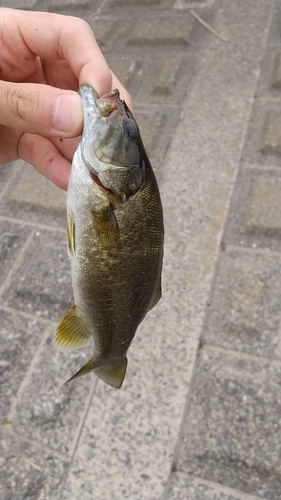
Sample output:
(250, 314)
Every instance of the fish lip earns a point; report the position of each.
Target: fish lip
(109, 103)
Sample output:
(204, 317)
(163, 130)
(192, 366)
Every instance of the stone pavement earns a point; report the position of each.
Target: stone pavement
(199, 414)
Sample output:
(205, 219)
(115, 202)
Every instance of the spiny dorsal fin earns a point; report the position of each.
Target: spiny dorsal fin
(111, 376)
(71, 332)
(70, 236)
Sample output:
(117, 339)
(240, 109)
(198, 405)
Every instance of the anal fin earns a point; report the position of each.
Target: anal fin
(71, 332)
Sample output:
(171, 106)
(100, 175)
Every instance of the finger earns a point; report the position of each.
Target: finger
(54, 36)
(40, 109)
(44, 156)
(66, 146)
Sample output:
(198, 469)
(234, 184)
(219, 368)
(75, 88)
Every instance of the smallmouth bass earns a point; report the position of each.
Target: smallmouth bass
(114, 237)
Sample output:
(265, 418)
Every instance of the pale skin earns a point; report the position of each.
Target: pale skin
(44, 58)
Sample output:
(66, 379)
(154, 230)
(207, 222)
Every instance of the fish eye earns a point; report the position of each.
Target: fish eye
(131, 129)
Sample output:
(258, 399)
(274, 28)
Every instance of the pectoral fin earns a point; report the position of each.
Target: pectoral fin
(107, 226)
(71, 332)
(70, 236)
(111, 376)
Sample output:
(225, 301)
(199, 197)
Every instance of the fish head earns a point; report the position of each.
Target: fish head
(111, 145)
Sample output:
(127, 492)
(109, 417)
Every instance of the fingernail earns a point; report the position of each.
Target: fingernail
(68, 113)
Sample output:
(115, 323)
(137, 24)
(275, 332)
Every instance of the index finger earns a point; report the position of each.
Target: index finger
(54, 36)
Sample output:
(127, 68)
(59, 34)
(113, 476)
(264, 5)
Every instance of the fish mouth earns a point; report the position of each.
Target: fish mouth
(108, 105)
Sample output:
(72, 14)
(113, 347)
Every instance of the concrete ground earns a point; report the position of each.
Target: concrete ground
(199, 414)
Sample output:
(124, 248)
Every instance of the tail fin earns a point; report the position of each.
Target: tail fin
(113, 376)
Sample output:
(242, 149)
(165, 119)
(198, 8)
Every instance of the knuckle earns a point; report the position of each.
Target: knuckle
(23, 104)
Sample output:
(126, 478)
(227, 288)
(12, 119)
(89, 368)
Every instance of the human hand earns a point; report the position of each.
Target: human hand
(44, 59)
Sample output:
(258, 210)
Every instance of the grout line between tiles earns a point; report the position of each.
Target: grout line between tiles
(16, 263)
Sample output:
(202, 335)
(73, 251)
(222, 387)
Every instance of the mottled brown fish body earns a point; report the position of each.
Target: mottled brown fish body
(115, 240)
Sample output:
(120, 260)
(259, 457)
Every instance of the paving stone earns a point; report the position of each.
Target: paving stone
(15, 4)
(255, 213)
(106, 31)
(127, 440)
(41, 282)
(174, 29)
(263, 207)
(20, 338)
(49, 412)
(69, 5)
(184, 487)
(244, 312)
(134, 5)
(168, 80)
(269, 86)
(27, 472)
(155, 125)
(276, 73)
(32, 197)
(274, 37)
(12, 238)
(137, 2)
(130, 70)
(271, 133)
(6, 174)
(263, 141)
(232, 434)
(187, 4)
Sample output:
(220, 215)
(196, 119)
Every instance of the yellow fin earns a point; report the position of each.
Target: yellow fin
(156, 297)
(70, 236)
(71, 332)
(111, 376)
(107, 226)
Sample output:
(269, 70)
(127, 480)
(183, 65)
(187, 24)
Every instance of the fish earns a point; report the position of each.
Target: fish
(115, 236)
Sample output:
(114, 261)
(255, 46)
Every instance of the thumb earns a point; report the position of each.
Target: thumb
(40, 109)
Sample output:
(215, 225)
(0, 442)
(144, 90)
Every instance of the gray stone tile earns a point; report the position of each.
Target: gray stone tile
(232, 434)
(6, 174)
(130, 70)
(124, 6)
(155, 127)
(270, 79)
(68, 5)
(192, 4)
(12, 238)
(32, 197)
(185, 487)
(20, 338)
(27, 472)
(174, 29)
(19, 4)
(107, 30)
(41, 282)
(47, 411)
(263, 141)
(274, 38)
(244, 313)
(128, 437)
(254, 218)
